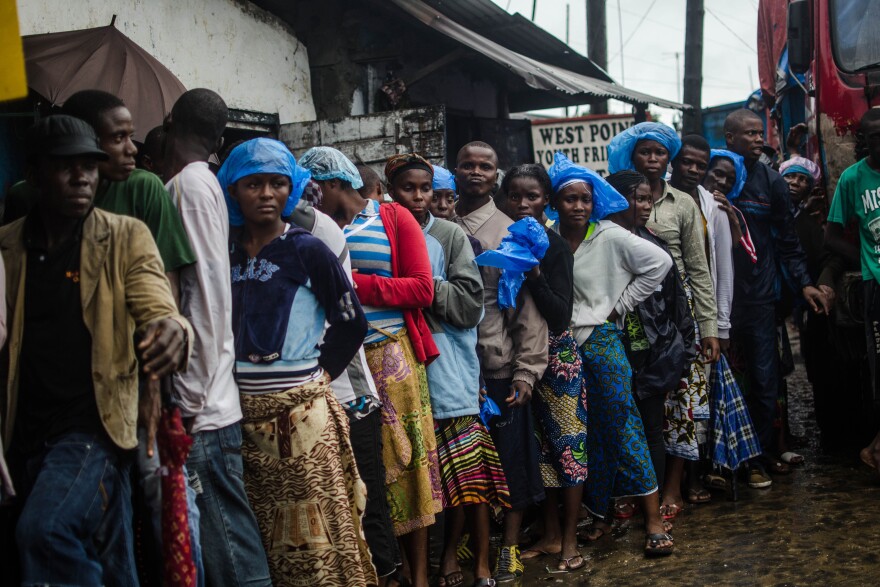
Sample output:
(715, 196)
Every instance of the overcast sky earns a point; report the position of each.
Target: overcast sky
(653, 31)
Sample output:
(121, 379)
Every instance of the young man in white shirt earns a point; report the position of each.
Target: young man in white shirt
(207, 393)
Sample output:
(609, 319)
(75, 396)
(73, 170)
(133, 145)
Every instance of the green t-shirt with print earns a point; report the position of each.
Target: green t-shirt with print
(858, 195)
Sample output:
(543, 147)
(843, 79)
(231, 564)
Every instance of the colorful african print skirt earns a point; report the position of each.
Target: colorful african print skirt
(617, 452)
(560, 409)
(409, 447)
(304, 487)
(687, 407)
(470, 467)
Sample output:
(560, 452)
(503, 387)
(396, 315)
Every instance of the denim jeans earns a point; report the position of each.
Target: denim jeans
(75, 527)
(151, 485)
(754, 333)
(232, 551)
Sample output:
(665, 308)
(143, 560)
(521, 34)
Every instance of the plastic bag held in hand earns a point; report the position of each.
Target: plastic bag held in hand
(519, 251)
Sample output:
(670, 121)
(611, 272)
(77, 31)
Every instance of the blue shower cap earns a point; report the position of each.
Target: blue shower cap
(606, 199)
(621, 147)
(261, 156)
(443, 180)
(328, 163)
(738, 164)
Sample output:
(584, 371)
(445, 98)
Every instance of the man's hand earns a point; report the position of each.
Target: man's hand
(795, 138)
(725, 206)
(149, 411)
(724, 345)
(520, 394)
(711, 349)
(483, 393)
(817, 300)
(830, 295)
(162, 348)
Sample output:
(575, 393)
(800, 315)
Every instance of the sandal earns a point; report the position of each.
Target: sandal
(699, 496)
(670, 511)
(791, 458)
(653, 548)
(533, 552)
(484, 582)
(453, 579)
(715, 481)
(588, 531)
(566, 566)
(625, 510)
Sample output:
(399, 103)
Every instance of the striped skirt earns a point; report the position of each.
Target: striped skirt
(470, 468)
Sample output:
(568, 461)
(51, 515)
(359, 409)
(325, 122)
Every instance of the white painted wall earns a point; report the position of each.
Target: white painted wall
(245, 54)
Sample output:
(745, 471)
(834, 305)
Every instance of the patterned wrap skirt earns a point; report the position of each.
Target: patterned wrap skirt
(560, 409)
(470, 467)
(304, 487)
(617, 451)
(687, 407)
(409, 447)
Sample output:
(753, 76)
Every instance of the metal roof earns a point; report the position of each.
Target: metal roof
(536, 74)
(517, 33)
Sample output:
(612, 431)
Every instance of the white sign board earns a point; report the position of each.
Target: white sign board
(584, 140)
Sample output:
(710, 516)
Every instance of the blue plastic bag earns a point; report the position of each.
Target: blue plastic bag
(488, 410)
(606, 199)
(519, 251)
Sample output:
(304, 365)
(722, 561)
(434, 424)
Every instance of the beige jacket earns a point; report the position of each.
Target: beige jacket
(123, 288)
(512, 343)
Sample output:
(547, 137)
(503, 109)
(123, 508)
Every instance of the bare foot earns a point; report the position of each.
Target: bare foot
(541, 548)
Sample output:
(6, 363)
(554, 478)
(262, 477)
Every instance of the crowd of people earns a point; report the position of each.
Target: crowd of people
(336, 367)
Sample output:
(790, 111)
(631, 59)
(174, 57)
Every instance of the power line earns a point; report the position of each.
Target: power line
(638, 24)
(732, 32)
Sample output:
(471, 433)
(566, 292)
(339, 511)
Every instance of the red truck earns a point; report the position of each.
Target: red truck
(819, 62)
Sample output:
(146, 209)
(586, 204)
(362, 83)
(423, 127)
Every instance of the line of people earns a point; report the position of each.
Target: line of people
(334, 354)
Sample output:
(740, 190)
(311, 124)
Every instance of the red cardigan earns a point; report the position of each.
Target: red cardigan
(412, 286)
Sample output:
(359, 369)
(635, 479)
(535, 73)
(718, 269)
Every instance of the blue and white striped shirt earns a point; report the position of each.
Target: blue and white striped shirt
(371, 255)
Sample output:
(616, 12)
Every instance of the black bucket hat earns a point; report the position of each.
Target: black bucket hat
(63, 136)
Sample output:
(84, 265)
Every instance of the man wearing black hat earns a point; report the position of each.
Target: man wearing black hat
(94, 283)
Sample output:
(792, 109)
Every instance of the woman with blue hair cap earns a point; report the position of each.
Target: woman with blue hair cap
(631, 268)
(286, 286)
(442, 204)
(676, 218)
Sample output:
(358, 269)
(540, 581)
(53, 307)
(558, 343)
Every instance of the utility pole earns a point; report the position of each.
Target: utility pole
(597, 43)
(692, 120)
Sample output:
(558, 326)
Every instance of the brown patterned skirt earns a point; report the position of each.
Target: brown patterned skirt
(304, 487)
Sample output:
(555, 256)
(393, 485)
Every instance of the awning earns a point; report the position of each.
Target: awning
(536, 74)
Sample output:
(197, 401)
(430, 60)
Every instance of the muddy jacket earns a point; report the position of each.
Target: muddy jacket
(669, 327)
(124, 288)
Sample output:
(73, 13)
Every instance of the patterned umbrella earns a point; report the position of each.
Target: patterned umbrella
(174, 445)
(732, 435)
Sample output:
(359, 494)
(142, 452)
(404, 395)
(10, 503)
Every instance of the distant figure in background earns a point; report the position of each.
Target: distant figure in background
(442, 203)
(373, 188)
(152, 155)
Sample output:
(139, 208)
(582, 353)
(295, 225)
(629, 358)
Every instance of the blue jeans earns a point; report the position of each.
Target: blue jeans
(75, 527)
(232, 550)
(151, 485)
(754, 332)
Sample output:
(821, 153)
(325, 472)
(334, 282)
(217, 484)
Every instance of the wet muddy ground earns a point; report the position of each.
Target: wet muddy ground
(818, 526)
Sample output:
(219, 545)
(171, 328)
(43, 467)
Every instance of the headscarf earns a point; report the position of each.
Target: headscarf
(606, 200)
(738, 164)
(801, 165)
(326, 163)
(443, 180)
(397, 164)
(312, 194)
(261, 156)
(621, 147)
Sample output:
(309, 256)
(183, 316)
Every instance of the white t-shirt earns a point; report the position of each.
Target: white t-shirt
(357, 374)
(207, 390)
